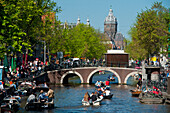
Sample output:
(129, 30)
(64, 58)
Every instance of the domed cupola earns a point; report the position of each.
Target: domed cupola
(110, 18)
(88, 22)
(78, 21)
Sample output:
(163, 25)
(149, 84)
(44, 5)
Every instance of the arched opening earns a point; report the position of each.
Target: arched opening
(132, 78)
(71, 78)
(95, 76)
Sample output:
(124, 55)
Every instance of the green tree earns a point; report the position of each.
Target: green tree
(10, 35)
(150, 32)
(84, 41)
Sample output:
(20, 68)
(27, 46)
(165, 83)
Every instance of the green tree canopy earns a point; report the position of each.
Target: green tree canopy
(149, 34)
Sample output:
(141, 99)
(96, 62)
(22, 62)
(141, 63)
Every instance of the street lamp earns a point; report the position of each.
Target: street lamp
(44, 52)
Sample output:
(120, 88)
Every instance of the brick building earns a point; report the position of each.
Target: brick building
(110, 30)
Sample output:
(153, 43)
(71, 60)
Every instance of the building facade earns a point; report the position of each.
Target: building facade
(110, 31)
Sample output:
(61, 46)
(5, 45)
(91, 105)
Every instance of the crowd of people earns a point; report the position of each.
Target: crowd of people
(13, 77)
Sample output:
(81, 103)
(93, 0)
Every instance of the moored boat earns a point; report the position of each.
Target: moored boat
(151, 98)
(10, 104)
(38, 105)
(135, 93)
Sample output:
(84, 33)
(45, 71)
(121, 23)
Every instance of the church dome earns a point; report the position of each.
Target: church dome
(110, 18)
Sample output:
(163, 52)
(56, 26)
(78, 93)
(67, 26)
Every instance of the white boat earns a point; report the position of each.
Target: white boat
(94, 103)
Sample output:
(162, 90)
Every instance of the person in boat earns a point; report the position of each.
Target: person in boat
(31, 98)
(98, 84)
(34, 83)
(41, 97)
(50, 94)
(96, 93)
(45, 84)
(107, 92)
(112, 78)
(10, 104)
(86, 97)
(45, 97)
(139, 84)
(93, 97)
(102, 84)
(107, 83)
(103, 89)
(100, 92)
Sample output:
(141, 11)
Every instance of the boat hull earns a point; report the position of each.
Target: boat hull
(39, 105)
(152, 100)
(108, 97)
(135, 93)
(94, 103)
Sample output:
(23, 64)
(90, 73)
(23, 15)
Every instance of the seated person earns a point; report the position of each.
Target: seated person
(86, 97)
(41, 97)
(107, 92)
(100, 92)
(107, 83)
(93, 97)
(98, 84)
(45, 84)
(102, 89)
(45, 97)
(31, 98)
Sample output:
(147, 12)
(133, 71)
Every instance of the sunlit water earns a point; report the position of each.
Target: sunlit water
(68, 100)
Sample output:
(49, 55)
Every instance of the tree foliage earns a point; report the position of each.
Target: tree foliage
(21, 23)
(149, 34)
(80, 41)
(26, 23)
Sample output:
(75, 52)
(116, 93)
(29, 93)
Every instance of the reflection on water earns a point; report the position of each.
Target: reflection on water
(68, 99)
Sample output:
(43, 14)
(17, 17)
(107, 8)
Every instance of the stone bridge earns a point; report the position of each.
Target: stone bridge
(86, 74)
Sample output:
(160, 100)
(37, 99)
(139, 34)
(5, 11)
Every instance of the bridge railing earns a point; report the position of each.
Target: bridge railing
(90, 64)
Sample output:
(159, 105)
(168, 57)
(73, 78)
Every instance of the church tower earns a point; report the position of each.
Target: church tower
(110, 26)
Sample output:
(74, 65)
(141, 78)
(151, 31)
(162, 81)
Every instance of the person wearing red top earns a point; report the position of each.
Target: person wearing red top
(107, 83)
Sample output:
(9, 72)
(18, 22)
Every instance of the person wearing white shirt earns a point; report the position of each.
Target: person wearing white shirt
(107, 92)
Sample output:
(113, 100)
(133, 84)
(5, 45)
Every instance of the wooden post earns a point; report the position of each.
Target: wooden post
(168, 87)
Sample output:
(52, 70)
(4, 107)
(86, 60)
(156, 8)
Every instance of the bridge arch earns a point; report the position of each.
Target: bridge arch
(71, 72)
(103, 69)
(130, 74)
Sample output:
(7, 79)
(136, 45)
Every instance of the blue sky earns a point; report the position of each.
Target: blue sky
(96, 10)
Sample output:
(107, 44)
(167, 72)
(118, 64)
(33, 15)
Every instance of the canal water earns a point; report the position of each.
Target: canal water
(68, 99)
